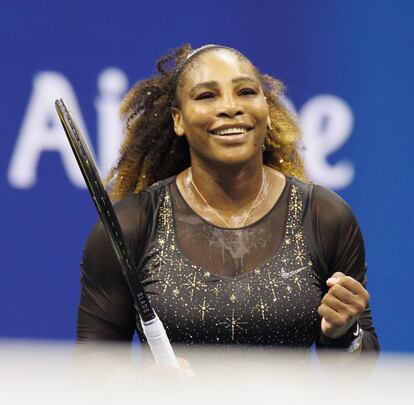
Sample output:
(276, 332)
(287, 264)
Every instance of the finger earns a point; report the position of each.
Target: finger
(356, 302)
(334, 303)
(338, 274)
(354, 286)
(343, 294)
(335, 278)
(334, 318)
(345, 312)
(348, 282)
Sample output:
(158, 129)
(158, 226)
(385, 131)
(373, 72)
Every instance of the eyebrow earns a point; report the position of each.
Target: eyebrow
(213, 83)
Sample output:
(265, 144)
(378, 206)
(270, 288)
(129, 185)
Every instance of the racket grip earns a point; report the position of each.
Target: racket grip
(158, 342)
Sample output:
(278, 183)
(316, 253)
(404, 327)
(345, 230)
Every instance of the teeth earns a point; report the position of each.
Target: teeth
(231, 131)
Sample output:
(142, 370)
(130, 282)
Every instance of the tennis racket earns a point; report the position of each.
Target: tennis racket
(151, 325)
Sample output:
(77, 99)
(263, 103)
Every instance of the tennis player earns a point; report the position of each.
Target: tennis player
(235, 246)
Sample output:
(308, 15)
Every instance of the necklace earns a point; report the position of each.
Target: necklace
(252, 206)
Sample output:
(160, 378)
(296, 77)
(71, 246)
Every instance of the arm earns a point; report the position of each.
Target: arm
(106, 311)
(341, 253)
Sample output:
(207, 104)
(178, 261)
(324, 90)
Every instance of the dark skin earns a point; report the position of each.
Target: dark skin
(223, 113)
(227, 170)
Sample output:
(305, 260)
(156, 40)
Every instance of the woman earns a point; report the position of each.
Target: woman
(232, 246)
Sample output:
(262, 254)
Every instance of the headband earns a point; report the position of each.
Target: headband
(196, 52)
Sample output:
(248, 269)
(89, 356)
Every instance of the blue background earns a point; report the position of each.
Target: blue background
(360, 51)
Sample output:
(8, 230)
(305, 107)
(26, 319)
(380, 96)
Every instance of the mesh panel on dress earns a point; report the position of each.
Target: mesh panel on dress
(228, 252)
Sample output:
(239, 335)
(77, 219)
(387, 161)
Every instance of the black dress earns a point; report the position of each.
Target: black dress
(279, 266)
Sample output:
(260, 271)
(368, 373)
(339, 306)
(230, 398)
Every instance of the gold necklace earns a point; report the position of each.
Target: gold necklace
(253, 205)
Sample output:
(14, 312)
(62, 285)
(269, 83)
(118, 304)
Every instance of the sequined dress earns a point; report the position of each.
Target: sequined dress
(279, 266)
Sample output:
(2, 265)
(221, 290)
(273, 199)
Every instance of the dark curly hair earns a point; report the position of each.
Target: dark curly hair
(152, 151)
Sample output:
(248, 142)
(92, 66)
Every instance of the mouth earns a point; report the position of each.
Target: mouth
(231, 136)
(230, 131)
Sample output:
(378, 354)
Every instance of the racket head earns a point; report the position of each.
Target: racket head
(80, 150)
(105, 209)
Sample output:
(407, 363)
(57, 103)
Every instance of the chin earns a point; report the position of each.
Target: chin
(235, 158)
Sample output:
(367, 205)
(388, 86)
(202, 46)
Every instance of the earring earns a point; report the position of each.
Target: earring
(269, 123)
(178, 132)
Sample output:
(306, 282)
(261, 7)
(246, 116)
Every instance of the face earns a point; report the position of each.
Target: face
(223, 111)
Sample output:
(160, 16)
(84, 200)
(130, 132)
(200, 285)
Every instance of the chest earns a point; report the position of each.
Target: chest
(274, 304)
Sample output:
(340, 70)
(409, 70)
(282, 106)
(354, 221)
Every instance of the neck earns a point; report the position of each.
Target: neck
(228, 188)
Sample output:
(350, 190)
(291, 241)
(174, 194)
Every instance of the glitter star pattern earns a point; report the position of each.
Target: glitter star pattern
(197, 305)
(233, 324)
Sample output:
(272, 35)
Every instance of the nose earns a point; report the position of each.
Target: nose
(229, 107)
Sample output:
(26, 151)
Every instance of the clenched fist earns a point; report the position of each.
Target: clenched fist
(341, 305)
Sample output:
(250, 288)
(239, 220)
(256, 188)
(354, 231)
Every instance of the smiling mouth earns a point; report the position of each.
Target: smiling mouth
(230, 131)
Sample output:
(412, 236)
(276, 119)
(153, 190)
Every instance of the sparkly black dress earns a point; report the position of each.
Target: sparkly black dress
(257, 285)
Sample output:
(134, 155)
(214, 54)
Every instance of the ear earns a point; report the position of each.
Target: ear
(178, 121)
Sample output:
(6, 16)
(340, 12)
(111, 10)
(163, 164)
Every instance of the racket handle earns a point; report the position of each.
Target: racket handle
(158, 342)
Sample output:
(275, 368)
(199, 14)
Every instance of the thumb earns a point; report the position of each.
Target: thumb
(334, 278)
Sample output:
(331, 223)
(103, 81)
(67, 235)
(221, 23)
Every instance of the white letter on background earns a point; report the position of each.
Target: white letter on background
(112, 84)
(42, 131)
(327, 123)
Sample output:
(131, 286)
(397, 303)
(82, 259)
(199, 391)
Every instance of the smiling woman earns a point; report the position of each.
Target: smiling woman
(232, 244)
(223, 112)
(148, 107)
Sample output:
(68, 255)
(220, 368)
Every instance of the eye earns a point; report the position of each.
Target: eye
(204, 96)
(247, 92)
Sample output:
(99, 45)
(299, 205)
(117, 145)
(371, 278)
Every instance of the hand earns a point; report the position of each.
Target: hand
(341, 305)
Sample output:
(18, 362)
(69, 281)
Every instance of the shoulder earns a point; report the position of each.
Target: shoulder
(137, 207)
(160, 185)
(144, 198)
(134, 213)
(325, 204)
(330, 209)
(321, 196)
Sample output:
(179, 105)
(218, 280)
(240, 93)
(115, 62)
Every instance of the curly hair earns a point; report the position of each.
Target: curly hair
(151, 150)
